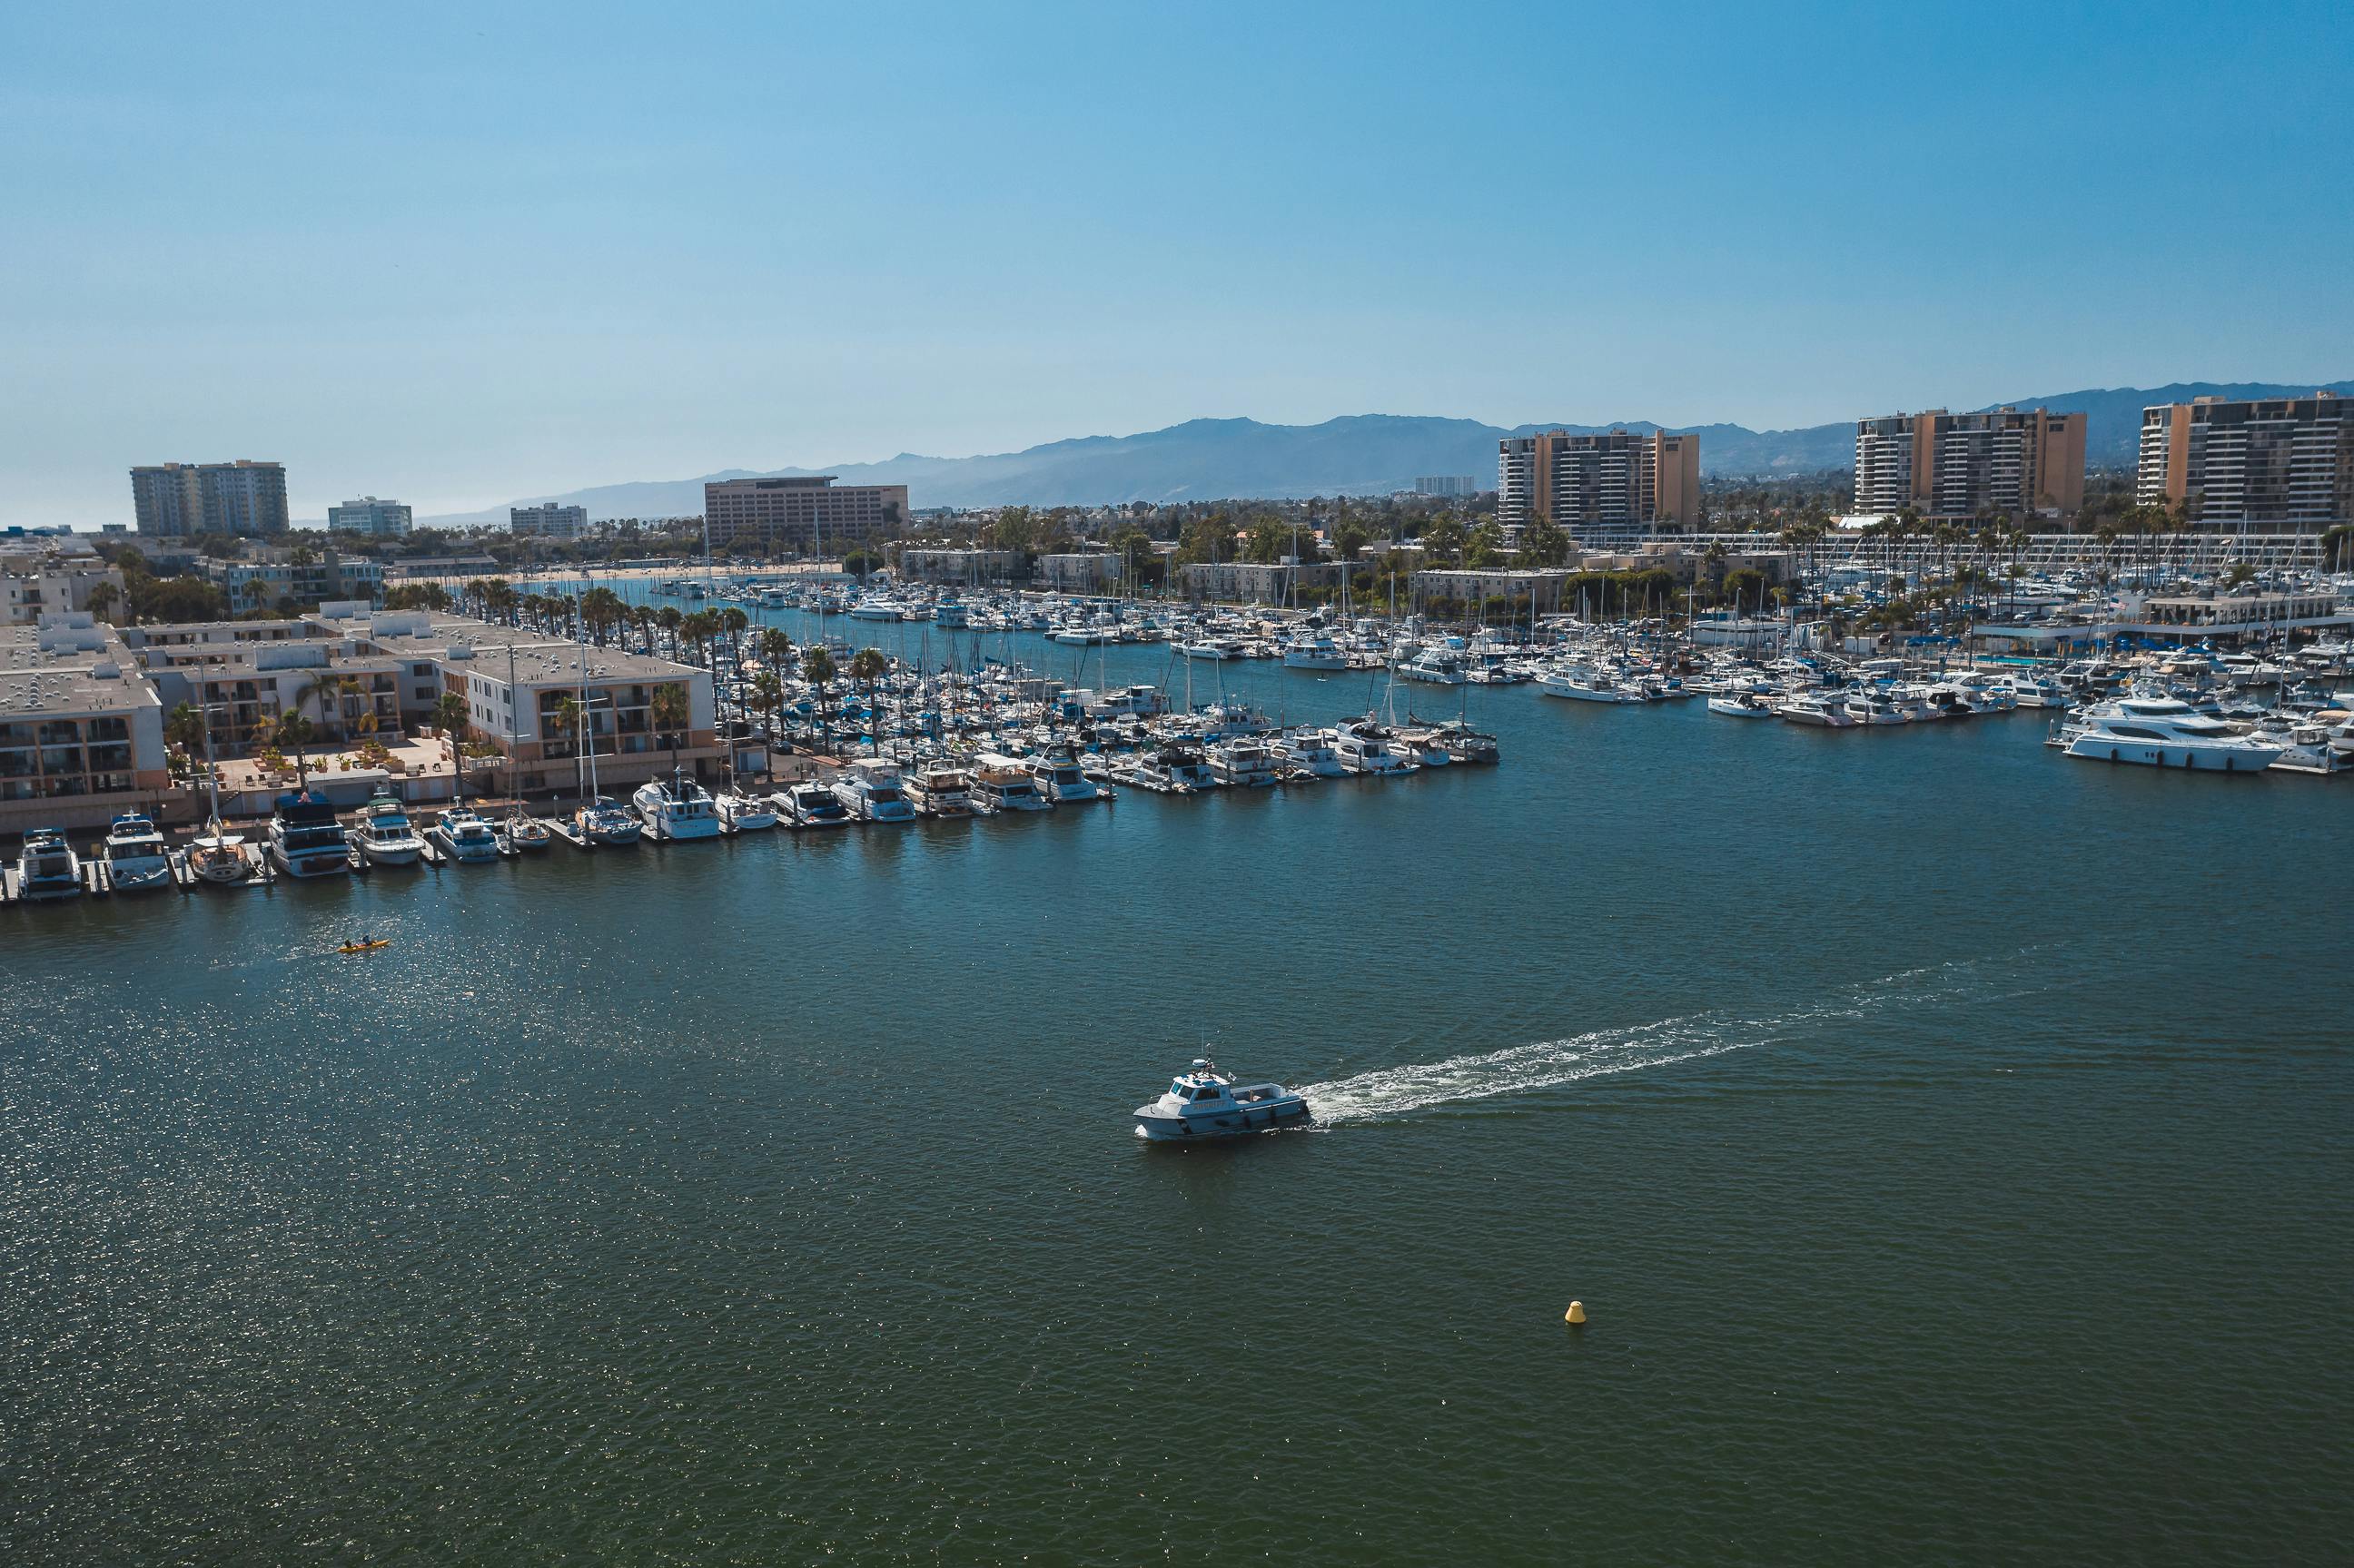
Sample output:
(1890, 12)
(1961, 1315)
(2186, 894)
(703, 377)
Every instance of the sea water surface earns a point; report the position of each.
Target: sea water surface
(1949, 1141)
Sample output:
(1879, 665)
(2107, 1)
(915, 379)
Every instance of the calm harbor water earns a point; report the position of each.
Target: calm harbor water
(1950, 1142)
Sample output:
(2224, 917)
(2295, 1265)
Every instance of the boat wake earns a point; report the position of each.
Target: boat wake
(1396, 1091)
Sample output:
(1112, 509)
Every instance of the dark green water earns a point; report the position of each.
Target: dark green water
(1950, 1142)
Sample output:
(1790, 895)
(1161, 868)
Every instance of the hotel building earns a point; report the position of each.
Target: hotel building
(800, 513)
(1957, 467)
(2268, 462)
(1612, 482)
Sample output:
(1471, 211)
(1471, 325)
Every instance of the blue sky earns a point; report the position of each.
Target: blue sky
(457, 255)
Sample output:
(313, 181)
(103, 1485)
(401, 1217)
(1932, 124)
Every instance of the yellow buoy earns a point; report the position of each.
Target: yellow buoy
(1576, 1313)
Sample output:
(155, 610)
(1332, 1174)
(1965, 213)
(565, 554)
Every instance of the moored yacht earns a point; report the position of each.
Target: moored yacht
(870, 792)
(136, 858)
(305, 839)
(2165, 732)
(1062, 780)
(676, 808)
(1824, 710)
(1242, 762)
(812, 805)
(47, 867)
(1002, 783)
(1586, 683)
(606, 822)
(1312, 749)
(383, 834)
(744, 813)
(1204, 1103)
(1363, 747)
(1872, 705)
(1317, 653)
(939, 789)
(460, 833)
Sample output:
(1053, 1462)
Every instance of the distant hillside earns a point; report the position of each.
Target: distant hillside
(1360, 455)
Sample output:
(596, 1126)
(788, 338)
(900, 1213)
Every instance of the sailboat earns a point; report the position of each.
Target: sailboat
(598, 820)
(216, 855)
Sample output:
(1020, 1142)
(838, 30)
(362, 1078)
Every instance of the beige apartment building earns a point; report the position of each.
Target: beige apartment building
(81, 733)
(803, 513)
(2282, 463)
(1608, 483)
(1957, 467)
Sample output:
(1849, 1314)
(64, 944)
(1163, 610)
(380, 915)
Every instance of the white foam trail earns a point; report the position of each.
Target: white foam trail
(1394, 1091)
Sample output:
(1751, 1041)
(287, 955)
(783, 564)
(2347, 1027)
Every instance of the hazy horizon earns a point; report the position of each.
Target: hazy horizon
(458, 257)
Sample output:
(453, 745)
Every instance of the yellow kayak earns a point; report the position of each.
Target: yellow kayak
(365, 946)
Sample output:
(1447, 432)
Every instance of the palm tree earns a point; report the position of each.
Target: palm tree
(291, 733)
(816, 669)
(323, 688)
(767, 696)
(451, 718)
(670, 716)
(184, 727)
(867, 666)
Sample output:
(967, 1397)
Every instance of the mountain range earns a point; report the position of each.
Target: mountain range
(1359, 454)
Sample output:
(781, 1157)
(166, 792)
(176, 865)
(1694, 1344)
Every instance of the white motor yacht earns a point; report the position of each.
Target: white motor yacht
(1872, 705)
(1317, 653)
(47, 867)
(676, 808)
(1364, 747)
(1436, 665)
(1062, 780)
(939, 789)
(871, 792)
(2166, 732)
(137, 859)
(1001, 783)
(1743, 703)
(1585, 684)
(744, 813)
(1242, 762)
(383, 834)
(460, 833)
(876, 609)
(812, 805)
(1824, 710)
(1204, 1103)
(1312, 749)
(305, 839)
(1215, 648)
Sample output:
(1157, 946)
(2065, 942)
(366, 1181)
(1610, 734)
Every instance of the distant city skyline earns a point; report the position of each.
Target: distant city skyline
(970, 231)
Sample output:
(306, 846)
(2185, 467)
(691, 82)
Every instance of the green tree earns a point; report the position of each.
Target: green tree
(816, 669)
(671, 715)
(453, 719)
(1443, 541)
(867, 667)
(290, 735)
(1545, 543)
